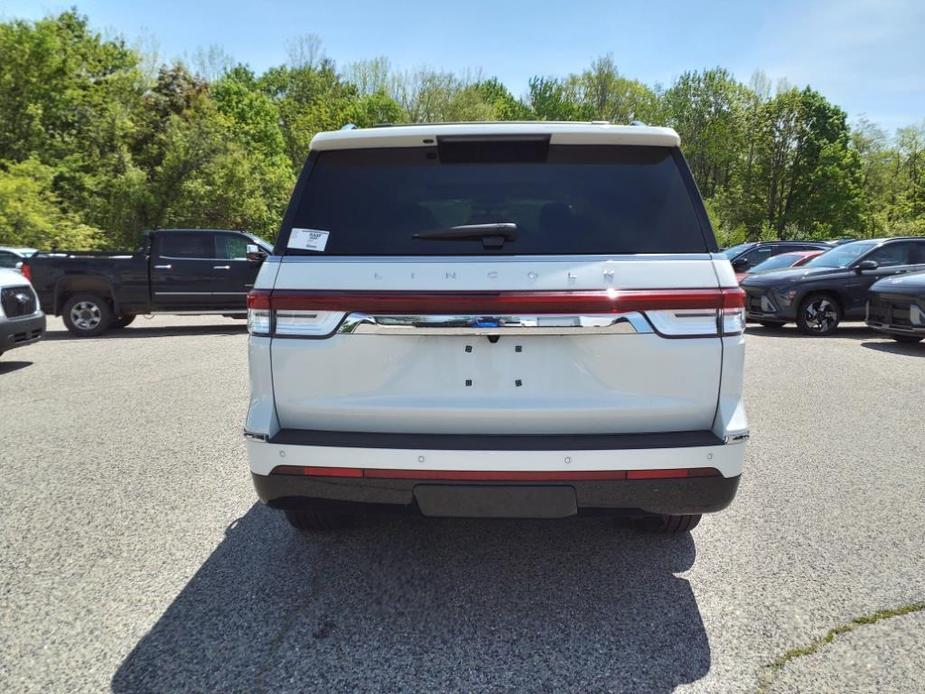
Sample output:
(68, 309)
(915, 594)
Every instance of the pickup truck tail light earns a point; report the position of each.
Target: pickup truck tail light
(26, 271)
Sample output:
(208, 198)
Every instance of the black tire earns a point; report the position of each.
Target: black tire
(122, 321)
(819, 315)
(771, 325)
(315, 521)
(87, 315)
(668, 524)
(907, 339)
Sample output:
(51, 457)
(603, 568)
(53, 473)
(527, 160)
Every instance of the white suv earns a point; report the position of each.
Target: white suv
(496, 320)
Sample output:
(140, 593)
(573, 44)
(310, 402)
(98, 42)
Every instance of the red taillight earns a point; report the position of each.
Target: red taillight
(26, 271)
(318, 471)
(317, 313)
(589, 302)
(259, 299)
(733, 297)
(495, 475)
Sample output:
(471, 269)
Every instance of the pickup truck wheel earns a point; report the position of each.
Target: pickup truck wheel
(907, 339)
(668, 524)
(308, 520)
(122, 321)
(86, 315)
(819, 315)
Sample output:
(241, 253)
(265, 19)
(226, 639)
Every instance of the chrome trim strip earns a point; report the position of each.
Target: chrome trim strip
(553, 324)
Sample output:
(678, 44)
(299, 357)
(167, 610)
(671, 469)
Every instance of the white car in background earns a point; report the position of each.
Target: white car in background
(497, 320)
(21, 319)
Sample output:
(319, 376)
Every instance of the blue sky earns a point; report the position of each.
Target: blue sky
(868, 56)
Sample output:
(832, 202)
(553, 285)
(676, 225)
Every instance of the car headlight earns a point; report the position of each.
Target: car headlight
(916, 315)
(786, 295)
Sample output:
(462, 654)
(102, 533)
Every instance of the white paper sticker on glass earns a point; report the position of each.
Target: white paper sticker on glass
(308, 239)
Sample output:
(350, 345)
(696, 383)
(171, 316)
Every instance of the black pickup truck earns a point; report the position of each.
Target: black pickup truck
(178, 271)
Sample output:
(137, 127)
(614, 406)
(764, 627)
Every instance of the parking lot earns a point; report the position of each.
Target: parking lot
(133, 555)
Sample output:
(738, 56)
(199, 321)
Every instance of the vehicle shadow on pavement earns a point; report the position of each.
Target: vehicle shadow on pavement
(860, 332)
(893, 347)
(132, 332)
(11, 366)
(418, 604)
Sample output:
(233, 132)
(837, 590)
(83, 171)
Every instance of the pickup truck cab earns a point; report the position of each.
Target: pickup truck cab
(496, 320)
(174, 271)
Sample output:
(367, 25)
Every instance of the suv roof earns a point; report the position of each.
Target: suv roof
(558, 133)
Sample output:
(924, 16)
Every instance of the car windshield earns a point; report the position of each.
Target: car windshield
(778, 262)
(733, 251)
(841, 256)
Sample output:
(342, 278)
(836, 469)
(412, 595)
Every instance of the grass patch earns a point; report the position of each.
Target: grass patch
(772, 669)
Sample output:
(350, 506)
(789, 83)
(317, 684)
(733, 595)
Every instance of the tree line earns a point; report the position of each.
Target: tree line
(98, 142)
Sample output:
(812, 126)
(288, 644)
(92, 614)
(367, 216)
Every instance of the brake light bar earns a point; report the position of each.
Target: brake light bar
(495, 475)
(596, 301)
(672, 312)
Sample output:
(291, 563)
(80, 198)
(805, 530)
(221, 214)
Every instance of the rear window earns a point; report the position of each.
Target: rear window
(564, 200)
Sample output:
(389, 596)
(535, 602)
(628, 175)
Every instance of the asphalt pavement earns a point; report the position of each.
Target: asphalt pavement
(133, 556)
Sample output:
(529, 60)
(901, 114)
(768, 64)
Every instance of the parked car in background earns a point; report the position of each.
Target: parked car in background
(496, 320)
(175, 271)
(780, 262)
(12, 257)
(747, 255)
(896, 306)
(831, 287)
(21, 319)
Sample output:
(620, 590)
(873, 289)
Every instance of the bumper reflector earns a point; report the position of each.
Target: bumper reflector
(495, 475)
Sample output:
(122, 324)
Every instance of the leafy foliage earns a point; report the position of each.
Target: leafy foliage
(96, 146)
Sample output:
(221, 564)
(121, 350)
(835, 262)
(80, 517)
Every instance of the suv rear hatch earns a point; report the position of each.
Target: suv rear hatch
(496, 286)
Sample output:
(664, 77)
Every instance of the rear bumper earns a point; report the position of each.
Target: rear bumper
(399, 472)
(619, 497)
(19, 332)
(896, 329)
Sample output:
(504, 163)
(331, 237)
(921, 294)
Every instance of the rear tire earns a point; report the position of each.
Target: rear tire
(819, 315)
(315, 521)
(122, 321)
(87, 315)
(771, 325)
(907, 339)
(666, 524)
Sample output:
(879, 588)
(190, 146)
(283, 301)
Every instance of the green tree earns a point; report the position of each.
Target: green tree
(708, 111)
(31, 213)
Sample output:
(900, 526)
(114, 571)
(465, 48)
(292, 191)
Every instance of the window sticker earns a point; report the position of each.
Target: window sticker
(308, 239)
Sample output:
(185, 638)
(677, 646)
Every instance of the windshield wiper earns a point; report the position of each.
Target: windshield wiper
(492, 235)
